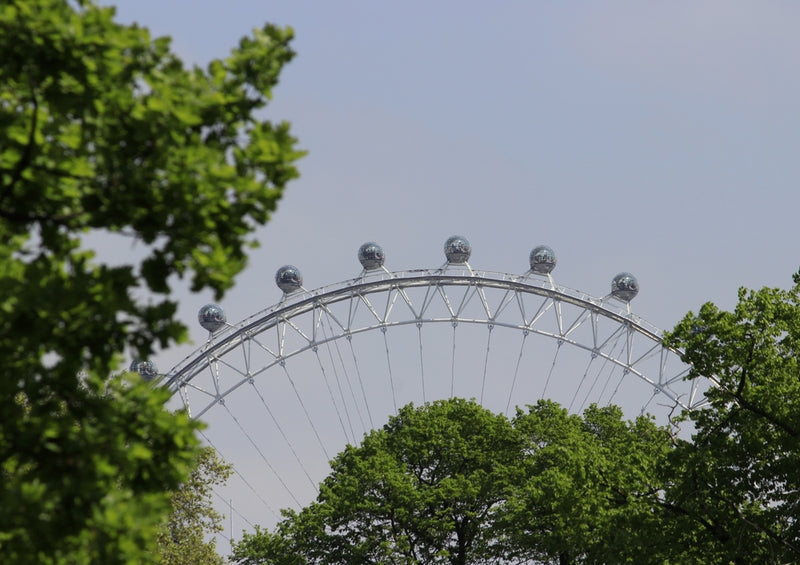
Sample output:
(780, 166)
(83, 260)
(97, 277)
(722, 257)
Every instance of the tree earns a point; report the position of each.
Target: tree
(421, 490)
(84, 481)
(104, 132)
(450, 482)
(597, 489)
(591, 488)
(736, 484)
(182, 540)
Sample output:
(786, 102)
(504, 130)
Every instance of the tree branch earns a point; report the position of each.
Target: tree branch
(27, 155)
(61, 219)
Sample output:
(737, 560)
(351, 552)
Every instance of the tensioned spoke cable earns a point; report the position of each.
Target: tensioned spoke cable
(333, 397)
(453, 363)
(649, 400)
(610, 376)
(624, 372)
(516, 369)
(305, 410)
(389, 367)
(285, 438)
(233, 509)
(223, 536)
(242, 477)
(361, 381)
(261, 453)
(583, 379)
(421, 361)
(335, 342)
(599, 374)
(619, 382)
(486, 360)
(552, 367)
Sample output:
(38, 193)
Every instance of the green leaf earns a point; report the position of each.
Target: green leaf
(100, 130)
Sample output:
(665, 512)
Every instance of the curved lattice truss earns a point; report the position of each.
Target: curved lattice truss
(603, 328)
(287, 388)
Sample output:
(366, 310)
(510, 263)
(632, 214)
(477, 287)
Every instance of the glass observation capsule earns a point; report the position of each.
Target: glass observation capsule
(625, 287)
(211, 317)
(288, 278)
(371, 256)
(147, 369)
(457, 249)
(542, 260)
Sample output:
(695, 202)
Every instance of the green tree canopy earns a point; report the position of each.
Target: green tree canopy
(450, 482)
(736, 483)
(103, 130)
(591, 488)
(184, 539)
(581, 489)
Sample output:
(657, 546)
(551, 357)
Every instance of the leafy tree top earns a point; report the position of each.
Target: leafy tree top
(103, 130)
(451, 482)
(737, 480)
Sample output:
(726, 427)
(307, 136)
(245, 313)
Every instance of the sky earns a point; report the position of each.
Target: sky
(659, 138)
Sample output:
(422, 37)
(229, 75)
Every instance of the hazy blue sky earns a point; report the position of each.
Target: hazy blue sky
(660, 138)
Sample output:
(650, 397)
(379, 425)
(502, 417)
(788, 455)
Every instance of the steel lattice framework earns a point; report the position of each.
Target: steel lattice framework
(286, 389)
(601, 329)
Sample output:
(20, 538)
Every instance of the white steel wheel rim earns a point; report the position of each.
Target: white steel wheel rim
(253, 383)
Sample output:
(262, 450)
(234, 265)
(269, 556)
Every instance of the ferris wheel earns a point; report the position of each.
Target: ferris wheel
(284, 390)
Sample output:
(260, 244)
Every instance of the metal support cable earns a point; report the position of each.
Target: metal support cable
(242, 477)
(305, 410)
(583, 379)
(361, 381)
(486, 360)
(599, 373)
(516, 369)
(335, 343)
(389, 368)
(421, 361)
(333, 397)
(552, 367)
(285, 438)
(453, 363)
(263, 457)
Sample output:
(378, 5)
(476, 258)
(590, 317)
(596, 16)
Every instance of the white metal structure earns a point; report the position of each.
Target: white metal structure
(284, 390)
